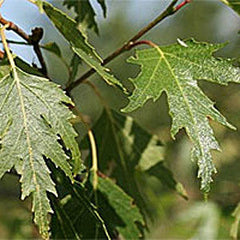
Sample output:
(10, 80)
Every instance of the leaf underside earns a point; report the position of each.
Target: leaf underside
(33, 118)
(175, 70)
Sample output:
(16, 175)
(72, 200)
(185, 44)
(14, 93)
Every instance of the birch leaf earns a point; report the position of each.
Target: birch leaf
(175, 69)
(33, 118)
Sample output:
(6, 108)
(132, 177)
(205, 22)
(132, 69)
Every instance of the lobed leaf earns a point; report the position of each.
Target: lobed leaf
(175, 70)
(33, 118)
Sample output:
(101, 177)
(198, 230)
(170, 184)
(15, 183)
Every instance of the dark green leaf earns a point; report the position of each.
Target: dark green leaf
(118, 210)
(104, 7)
(85, 13)
(75, 216)
(53, 47)
(132, 149)
(166, 177)
(75, 62)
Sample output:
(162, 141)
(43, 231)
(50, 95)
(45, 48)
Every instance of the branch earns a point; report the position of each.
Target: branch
(33, 39)
(129, 44)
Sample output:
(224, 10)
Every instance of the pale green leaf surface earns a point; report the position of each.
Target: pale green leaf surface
(175, 69)
(33, 117)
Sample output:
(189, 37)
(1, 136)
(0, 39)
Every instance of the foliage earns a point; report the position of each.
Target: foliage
(85, 12)
(163, 70)
(109, 189)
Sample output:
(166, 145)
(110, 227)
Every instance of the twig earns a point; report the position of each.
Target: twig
(1, 54)
(128, 45)
(182, 5)
(32, 39)
(5, 45)
(93, 147)
(94, 159)
(12, 26)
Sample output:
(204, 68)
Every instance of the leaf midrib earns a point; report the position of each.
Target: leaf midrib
(184, 97)
(25, 123)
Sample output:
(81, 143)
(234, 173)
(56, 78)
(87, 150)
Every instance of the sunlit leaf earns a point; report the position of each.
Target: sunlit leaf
(33, 118)
(175, 70)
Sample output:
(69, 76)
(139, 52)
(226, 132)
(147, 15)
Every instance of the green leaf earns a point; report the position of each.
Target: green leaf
(128, 143)
(53, 48)
(85, 12)
(75, 62)
(166, 177)
(132, 150)
(175, 69)
(75, 216)
(102, 71)
(26, 67)
(234, 4)
(235, 225)
(118, 210)
(69, 29)
(33, 118)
